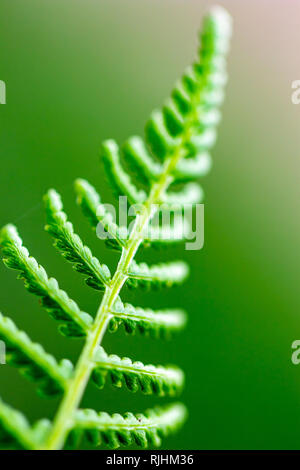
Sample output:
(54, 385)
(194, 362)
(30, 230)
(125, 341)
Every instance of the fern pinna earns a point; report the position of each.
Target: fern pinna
(177, 140)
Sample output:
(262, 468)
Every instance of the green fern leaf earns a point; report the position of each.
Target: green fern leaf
(157, 324)
(137, 155)
(118, 234)
(32, 361)
(173, 232)
(56, 301)
(16, 432)
(142, 429)
(118, 178)
(159, 140)
(89, 201)
(182, 99)
(201, 142)
(71, 246)
(173, 118)
(177, 140)
(158, 380)
(159, 275)
(193, 168)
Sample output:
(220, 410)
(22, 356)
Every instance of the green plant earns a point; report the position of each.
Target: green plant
(178, 138)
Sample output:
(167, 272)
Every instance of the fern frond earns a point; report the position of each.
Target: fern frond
(56, 301)
(16, 432)
(32, 361)
(157, 275)
(136, 153)
(118, 178)
(144, 430)
(157, 380)
(177, 140)
(157, 324)
(70, 244)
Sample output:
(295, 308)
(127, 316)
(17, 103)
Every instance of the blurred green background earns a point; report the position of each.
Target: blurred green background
(79, 71)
